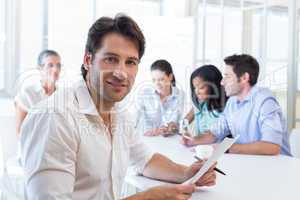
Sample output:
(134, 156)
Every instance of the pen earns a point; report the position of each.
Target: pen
(185, 136)
(216, 169)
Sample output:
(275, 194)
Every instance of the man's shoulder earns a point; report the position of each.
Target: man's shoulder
(258, 96)
(31, 88)
(61, 101)
(261, 94)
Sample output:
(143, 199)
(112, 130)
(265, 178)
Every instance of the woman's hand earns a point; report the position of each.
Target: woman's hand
(187, 140)
(170, 129)
(156, 131)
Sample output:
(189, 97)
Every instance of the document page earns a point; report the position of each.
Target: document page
(218, 152)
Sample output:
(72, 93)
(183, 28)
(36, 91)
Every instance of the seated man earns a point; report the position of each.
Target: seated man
(251, 112)
(49, 66)
(79, 144)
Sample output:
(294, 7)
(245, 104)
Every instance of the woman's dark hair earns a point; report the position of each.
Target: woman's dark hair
(122, 25)
(164, 66)
(44, 54)
(212, 78)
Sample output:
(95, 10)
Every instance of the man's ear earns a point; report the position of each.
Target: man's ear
(87, 61)
(245, 77)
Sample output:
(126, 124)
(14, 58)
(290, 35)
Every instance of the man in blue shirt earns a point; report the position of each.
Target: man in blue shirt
(251, 112)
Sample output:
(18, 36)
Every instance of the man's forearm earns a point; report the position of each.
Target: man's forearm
(206, 138)
(256, 148)
(162, 168)
(139, 196)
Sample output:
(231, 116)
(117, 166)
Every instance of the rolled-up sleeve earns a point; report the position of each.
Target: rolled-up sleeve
(140, 153)
(270, 122)
(48, 156)
(220, 128)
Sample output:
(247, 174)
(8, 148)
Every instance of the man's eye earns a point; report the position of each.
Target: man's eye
(131, 63)
(111, 60)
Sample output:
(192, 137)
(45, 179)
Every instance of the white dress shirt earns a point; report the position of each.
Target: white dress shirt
(67, 151)
(30, 94)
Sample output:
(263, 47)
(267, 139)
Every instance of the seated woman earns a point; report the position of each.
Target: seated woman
(49, 66)
(208, 98)
(160, 107)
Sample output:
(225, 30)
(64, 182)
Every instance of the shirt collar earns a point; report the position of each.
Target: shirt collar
(249, 95)
(85, 102)
(37, 84)
(174, 92)
(202, 106)
(39, 87)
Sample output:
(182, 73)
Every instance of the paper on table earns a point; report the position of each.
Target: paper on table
(219, 151)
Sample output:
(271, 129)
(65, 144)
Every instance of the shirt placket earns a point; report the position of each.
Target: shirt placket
(234, 127)
(114, 158)
(160, 117)
(165, 108)
(115, 165)
(114, 169)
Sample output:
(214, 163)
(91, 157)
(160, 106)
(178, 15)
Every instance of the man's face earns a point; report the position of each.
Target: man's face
(231, 82)
(113, 69)
(51, 68)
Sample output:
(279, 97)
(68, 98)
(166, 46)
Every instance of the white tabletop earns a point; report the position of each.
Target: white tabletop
(248, 177)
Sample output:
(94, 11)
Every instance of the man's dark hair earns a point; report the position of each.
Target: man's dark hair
(164, 66)
(120, 24)
(244, 63)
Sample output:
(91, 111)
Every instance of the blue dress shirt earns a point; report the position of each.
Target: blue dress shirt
(257, 118)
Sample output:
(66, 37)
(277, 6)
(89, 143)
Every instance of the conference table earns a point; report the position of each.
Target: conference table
(248, 177)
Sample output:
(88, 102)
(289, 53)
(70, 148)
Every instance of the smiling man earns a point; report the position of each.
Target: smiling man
(79, 144)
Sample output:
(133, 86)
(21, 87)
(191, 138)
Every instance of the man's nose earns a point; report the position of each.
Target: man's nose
(120, 74)
(56, 69)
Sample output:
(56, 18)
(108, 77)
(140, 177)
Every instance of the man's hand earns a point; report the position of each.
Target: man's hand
(165, 130)
(208, 179)
(170, 192)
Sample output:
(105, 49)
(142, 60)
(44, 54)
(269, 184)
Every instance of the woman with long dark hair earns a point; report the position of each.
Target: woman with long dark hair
(208, 98)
